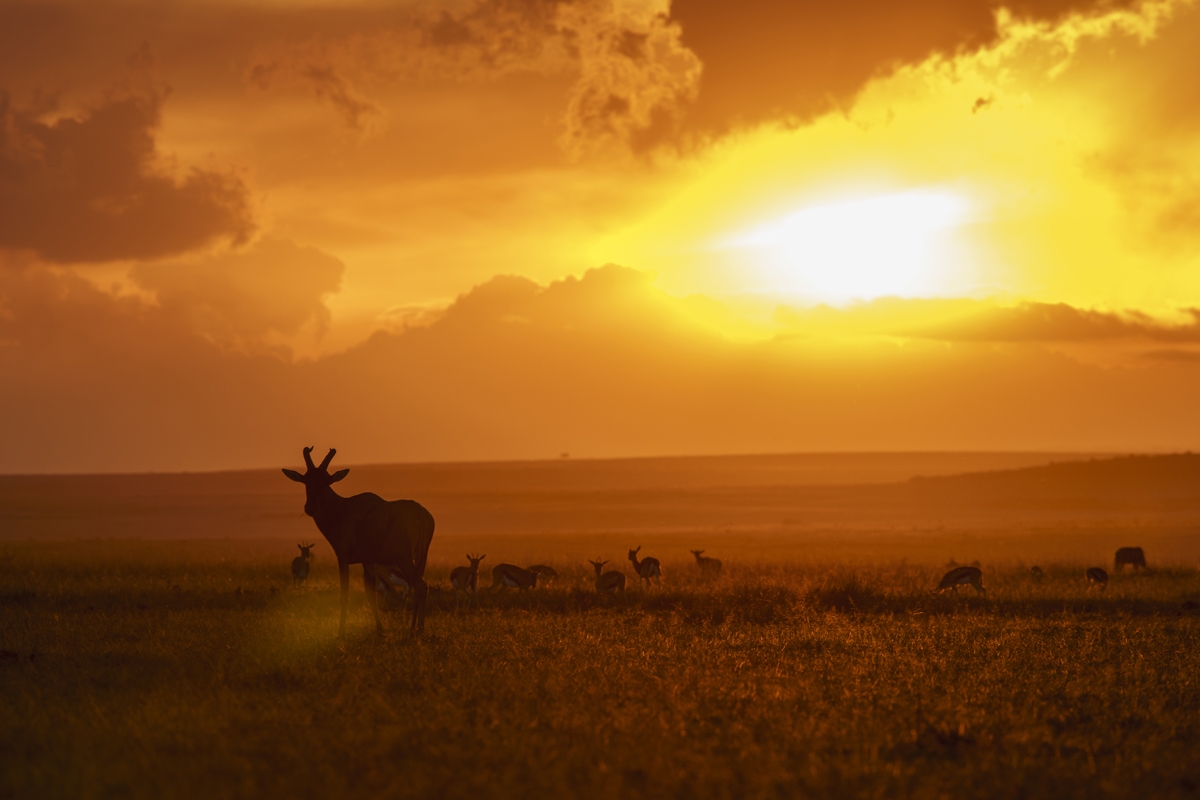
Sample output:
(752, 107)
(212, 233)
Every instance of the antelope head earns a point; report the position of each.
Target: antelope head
(633, 553)
(304, 548)
(696, 553)
(475, 560)
(317, 481)
(599, 565)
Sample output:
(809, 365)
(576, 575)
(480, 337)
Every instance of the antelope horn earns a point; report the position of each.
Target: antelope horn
(328, 458)
(308, 458)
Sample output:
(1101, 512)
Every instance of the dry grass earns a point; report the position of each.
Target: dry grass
(143, 669)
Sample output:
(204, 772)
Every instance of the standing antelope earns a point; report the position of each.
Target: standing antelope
(366, 529)
(512, 575)
(300, 563)
(960, 575)
(647, 569)
(609, 582)
(1133, 556)
(708, 566)
(1097, 577)
(466, 579)
(1037, 574)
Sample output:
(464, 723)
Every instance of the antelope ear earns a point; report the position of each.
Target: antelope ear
(337, 476)
(296, 476)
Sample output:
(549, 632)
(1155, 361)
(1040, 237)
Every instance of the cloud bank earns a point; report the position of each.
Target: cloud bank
(603, 365)
(92, 187)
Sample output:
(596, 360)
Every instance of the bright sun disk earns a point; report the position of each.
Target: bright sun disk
(897, 244)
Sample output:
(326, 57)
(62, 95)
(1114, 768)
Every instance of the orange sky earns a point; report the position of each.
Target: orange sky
(229, 229)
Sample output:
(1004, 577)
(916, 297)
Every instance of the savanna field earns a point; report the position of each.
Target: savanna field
(153, 643)
(197, 669)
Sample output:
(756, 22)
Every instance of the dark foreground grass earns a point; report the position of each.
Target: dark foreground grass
(125, 675)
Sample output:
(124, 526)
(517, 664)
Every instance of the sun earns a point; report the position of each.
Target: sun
(901, 244)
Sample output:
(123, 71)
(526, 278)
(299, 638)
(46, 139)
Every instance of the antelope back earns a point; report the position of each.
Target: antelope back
(512, 575)
(960, 575)
(610, 581)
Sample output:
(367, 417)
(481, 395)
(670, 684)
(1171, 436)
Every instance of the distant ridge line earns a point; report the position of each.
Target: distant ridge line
(1173, 474)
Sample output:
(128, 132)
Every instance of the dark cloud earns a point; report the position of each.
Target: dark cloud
(92, 187)
(1177, 356)
(336, 90)
(964, 320)
(637, 78)
(1057, 322)
(327, 83)
(766, 60)
(631, 77)
(242, 296)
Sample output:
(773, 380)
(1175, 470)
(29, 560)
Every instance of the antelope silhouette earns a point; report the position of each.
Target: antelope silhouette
(609, 582)
(466, 579)
(1133, 556)
(959, 576)
(545, 574)
(366, 529)
(300, 563)
(511, 575)
(1097, 577)
(387, 583)
(648, 569)
(708, 566)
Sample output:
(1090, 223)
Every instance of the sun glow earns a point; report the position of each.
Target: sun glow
(900, 244)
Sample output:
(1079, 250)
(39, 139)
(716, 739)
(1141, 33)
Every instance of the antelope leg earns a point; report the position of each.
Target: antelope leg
(344, 574)
(373, 598)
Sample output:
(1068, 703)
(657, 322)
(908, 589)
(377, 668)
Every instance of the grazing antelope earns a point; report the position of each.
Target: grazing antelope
(708, 566)
(512, 575)
(960, 575)
(300, 563)
(1133, 556)
(466, 579)
(609, 582)
(647, 569)
(366, 529)
(545, 573)
(1097, 577)
(1037, 574)
(387, 582)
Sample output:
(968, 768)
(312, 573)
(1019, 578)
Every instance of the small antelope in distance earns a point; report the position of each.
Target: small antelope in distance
(960, 575)
(647, 569)
(300, 563)
(366, 529)
(545, 573)
(609, 582)
(512, 575)
(1133, 556)
(1097, 577)
(466, 579)
(708, 566)
(1037, 574)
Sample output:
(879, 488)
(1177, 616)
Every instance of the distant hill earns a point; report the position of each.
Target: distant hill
(1125, 478)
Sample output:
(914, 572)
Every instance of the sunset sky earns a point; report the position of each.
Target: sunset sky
(514, 229)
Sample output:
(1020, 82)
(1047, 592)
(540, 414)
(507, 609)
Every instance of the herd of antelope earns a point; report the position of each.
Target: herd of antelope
(391, 540)
(1095, 576)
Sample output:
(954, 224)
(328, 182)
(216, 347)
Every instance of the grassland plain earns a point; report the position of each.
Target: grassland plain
(190, 669)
